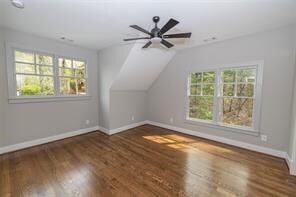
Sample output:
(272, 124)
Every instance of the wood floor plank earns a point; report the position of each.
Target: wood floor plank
(144, 161)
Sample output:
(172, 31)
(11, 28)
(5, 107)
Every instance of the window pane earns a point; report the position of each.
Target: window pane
(201, 108)
(78, 64)
(228, 89)
(28, 85)
(66, 72)
(24, 57)
(72, 86)
(196, 77)
(246, 90)
(228, 76)
(43, 59)
(65, 63)
(208, 90)
(80, 73)
(237, 111)
(195, 89)
(81, 85)
(246, 75)
(193, 113)
(193, 101)
(68, 86)
(209, 77)
(25, 68)
(44, 70)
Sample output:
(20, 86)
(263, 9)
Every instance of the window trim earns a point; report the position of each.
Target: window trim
(255, 130)
(11, 76)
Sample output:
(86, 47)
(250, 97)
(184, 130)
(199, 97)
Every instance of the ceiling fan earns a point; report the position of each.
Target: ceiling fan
(157, 35)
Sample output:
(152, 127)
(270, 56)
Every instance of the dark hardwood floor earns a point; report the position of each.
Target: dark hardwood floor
(144, 161)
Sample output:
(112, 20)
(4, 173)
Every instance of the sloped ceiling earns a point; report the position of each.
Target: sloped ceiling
(101, 23)
(142, 67)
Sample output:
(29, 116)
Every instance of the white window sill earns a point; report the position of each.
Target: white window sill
(47, 99)
(223, 127)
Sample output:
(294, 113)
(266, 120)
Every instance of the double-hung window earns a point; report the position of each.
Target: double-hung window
(36, 75)
(228, 96)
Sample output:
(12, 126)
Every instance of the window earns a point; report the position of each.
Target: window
(228, 97)
(72, 79)
(33, 74)
(237, 86)
(201, 96)
(40, 75)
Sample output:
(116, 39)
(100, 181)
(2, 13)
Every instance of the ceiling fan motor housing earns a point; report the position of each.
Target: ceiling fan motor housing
(155, 32)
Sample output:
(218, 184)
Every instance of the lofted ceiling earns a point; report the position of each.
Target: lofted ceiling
(141, 67)
(101, 23)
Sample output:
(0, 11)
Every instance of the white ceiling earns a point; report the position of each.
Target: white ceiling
(101, 23)
(142, 67)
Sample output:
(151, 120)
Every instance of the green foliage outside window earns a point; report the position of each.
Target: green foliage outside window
(34, 74)
(31, 89)
(202, 89)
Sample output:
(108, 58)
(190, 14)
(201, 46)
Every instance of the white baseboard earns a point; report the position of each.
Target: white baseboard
(31, 143)
(290, 164)
(28, 144)
(293, 168)
(104, 130)
(120, 129)
(240, 144)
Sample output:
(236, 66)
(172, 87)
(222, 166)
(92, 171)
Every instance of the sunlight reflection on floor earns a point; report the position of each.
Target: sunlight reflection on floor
(195, 150)
(179, 142)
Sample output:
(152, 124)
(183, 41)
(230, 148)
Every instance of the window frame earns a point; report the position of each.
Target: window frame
(215, 123)
(11, 76)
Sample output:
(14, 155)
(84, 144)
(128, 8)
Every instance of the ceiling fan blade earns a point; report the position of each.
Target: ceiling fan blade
(140, 29)
(129, 39)
(166, 43)
(169, 25)
(147, 45)
(181, 35)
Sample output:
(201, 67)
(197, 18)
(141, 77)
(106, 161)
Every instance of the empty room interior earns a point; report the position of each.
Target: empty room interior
(147, 98)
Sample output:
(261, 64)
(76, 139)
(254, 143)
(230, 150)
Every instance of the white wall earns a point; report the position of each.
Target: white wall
(167, 94)
(2, 89)
(24, 122)
(110, 61)
(142, 67)
(124, 105)
(116, 107)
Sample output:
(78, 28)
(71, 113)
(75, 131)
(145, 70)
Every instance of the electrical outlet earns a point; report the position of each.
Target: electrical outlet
(87, 122)
(133, 118)
(264, 138)
(171, 120)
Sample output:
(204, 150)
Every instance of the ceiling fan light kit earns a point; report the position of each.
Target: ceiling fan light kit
(156, 35)
(18, 4)
(155, 40)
